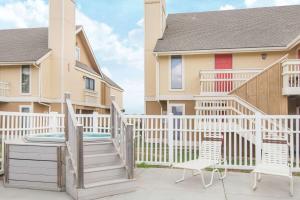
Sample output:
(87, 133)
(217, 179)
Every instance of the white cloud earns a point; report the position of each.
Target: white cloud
(134, 95)
(250, 3)
(258, 3)
(227, 7)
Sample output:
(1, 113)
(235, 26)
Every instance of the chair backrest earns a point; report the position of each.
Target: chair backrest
(211, 147)
(275, 149)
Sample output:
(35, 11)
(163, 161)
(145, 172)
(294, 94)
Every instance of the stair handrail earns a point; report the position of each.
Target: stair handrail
(122, 136)
(74, 142)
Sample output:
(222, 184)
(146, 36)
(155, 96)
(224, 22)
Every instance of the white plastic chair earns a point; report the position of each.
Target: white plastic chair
(275, 158)
(209, 157)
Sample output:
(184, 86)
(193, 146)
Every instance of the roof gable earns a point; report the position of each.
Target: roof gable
(233, 29)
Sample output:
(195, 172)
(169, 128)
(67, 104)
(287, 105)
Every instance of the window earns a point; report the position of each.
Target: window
(176, 73)
(89, 83)
(25, 79)
(77, 53)
(25, 109)
(177, 109)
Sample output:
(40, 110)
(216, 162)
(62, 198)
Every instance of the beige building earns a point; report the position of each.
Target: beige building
(39, 65)
(250, 53)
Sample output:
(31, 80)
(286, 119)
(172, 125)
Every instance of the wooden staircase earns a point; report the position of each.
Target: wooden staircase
(105, 174)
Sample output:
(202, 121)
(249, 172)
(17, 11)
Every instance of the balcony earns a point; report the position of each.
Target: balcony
(291, 77)
(4, 90)
(91, 97)
(221, 82)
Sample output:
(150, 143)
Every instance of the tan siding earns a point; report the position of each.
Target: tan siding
(264, 91)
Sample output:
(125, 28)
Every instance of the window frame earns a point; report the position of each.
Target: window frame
(182, 75)
(25, 106)
(21, 80)
(89, 81)
(77, 53)
(170, 105)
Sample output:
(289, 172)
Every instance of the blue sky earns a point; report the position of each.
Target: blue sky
(115, 30)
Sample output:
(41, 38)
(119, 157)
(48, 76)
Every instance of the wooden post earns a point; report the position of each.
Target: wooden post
(112, 118)
(129, 151)
(53, 122)
(67, 96)
(170, 136)
(95, 122)
(80, 164)
(258, 138)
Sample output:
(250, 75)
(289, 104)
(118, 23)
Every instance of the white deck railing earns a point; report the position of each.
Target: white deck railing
(4, 89)
(221, 82)
(164, 140)
(291, 77)
(18, 125)
(95, 123)
(224, 105)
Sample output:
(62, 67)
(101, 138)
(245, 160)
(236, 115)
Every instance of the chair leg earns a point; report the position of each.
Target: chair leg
(211, 179)
(182, 178)
(259, 177)
(255, 181)
(224, 175)
(291, 186)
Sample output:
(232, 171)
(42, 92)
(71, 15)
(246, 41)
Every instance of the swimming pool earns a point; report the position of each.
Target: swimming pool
(60, 137)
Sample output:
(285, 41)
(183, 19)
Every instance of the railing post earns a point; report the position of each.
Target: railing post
(95, 122)
(129, 151)
(66, 121)
(53, 122)
(80, 164)
(170, 136)
(112, 117)
(258, 137)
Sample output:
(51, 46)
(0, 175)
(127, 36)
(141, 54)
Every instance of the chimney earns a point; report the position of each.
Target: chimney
(155, 24)
(62, 40)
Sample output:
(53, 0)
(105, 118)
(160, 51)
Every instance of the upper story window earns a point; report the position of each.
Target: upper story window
(89, 83)
(25, 79)
(176, 73)
(77, 53)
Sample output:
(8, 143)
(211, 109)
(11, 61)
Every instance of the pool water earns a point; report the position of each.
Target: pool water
(60, 137)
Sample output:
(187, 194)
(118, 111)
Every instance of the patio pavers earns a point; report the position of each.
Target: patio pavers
(158, 184)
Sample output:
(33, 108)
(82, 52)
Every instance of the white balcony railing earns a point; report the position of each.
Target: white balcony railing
(291, 77)
(91, 97)
(221, 82)
(4, 89)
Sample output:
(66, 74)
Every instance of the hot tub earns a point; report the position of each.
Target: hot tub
(60, 137)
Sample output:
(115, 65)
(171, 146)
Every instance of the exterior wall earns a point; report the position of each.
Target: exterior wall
(152, 108)
(188, 105)
(193, 64)
(12, 75)
(85, 57)
(118, 95)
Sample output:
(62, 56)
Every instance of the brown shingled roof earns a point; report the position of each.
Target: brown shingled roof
(231, 29)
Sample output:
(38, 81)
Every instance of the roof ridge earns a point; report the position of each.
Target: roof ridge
(233, 10)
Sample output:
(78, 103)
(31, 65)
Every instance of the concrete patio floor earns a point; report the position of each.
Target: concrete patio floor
(158, 184)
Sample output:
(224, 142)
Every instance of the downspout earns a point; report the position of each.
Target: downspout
(62, 57)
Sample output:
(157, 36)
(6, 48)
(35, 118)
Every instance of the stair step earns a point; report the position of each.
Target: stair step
(101, 160)
(99, 148)
(106, 188)
(107, 173)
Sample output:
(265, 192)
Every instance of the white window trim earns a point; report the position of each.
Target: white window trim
(77, 49)
(30, 75)
(170, 75)
(25, 106)
(170, 105)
